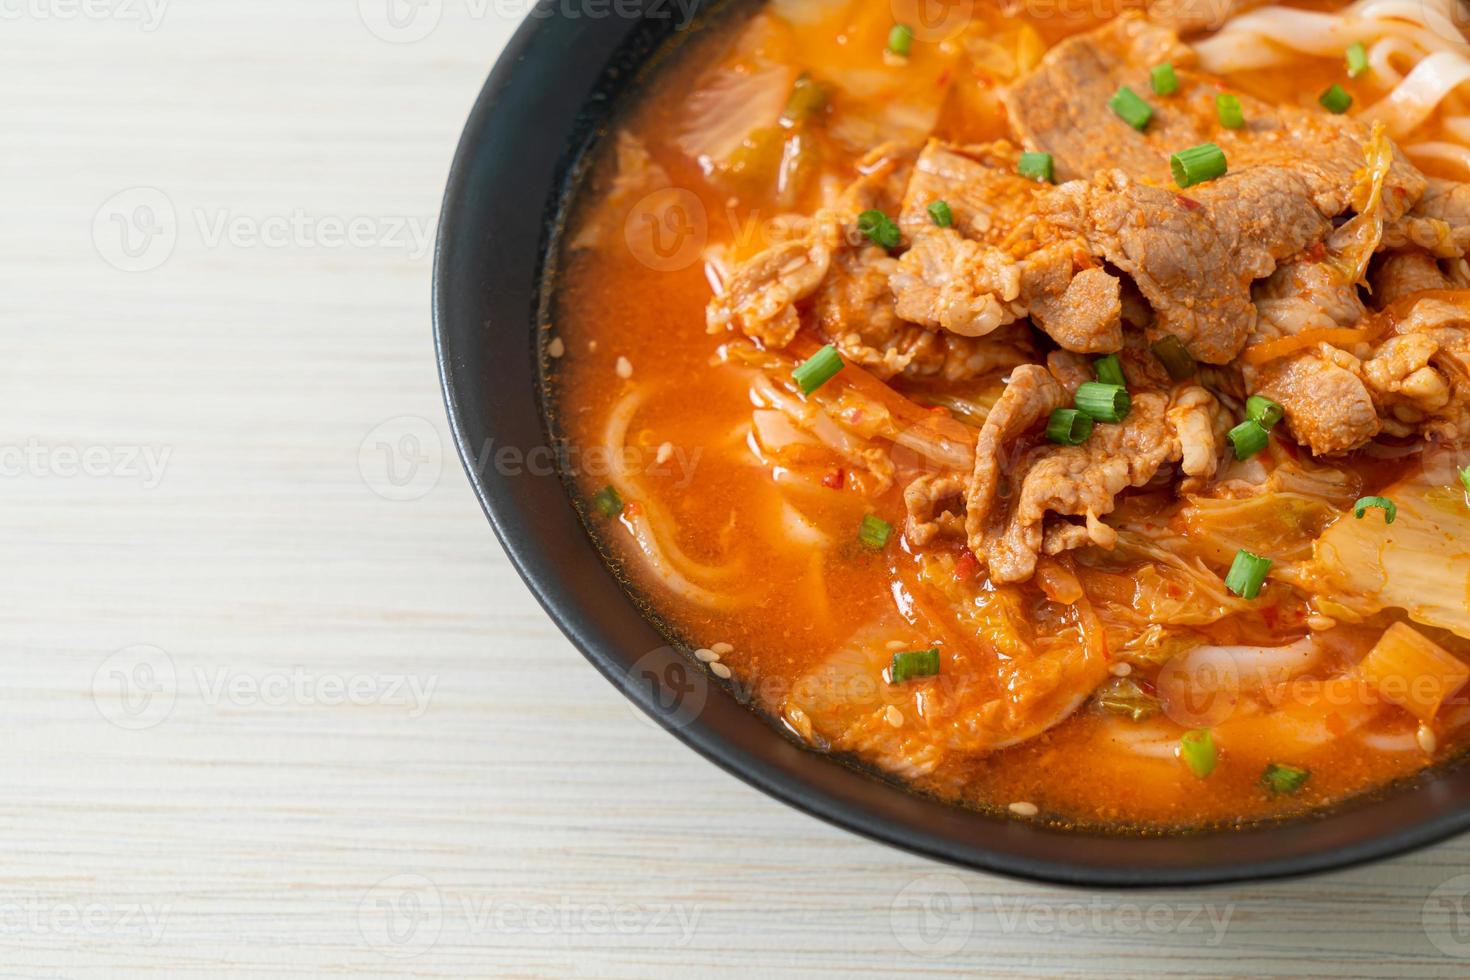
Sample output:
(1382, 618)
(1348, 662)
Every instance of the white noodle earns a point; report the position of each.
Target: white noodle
(1440, 152)
(1421, 33)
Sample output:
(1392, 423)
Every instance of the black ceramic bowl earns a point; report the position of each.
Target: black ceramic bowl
(542, 108)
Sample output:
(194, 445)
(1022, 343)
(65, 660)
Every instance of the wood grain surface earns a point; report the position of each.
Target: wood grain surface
(274, 702)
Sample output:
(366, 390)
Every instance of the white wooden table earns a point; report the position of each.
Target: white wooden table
(274, 701)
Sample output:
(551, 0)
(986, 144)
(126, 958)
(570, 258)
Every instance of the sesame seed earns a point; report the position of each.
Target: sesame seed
(556, 348)
(664, 452)
(720, 670)
(1319, 622)
(722, 648)
(1023, 809)
(1120, 670)
(625, 368)
(706, 656)
(894, 716)
(592, 346)
(1426, 738)
(895, 644)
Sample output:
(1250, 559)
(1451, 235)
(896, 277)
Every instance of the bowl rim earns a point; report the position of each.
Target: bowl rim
(520, 544)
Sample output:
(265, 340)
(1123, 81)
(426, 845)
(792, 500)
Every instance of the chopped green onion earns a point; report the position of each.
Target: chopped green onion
(940, 214)
(1357, 59)
(608, 502)
(1335, 99)
(1197, 749)
(1169, 349)
(1247, 573)
(1130, 108)
(900, 39)
(1248, 438)
(1123, 696)
(879, 228)
(874, 531)
(1464, 478)
(1283, 780)
(1263, 410)
(1068, 427)
(1198, 164)
(817, 370)
(1104, 402)
(1382, 503)
(1036, 166)
(1109, 370)
(1164, 80)
(909, 664)
(1227, 107)
(808, 97)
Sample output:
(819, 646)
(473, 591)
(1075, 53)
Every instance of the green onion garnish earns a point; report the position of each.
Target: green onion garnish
(940, 214)
(1036, 166)
(879, 228)
(1068, 427)
(1197, 749)
(1263, 410)
(1169, 349)
(900, 39)
(1227, 107)
(1283, 780)
(874, 531)
(1357, 59)
(1109, 370)
(1335, 99)
(1248, 438)
(909, 664)
(1247, 573)
(807, 99)
(1164, 80)
(1130, 108)
(1464, 478)
(1104, 402)
(608, 502)
(1198, 164)
(817, 370)
(1382, 503)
